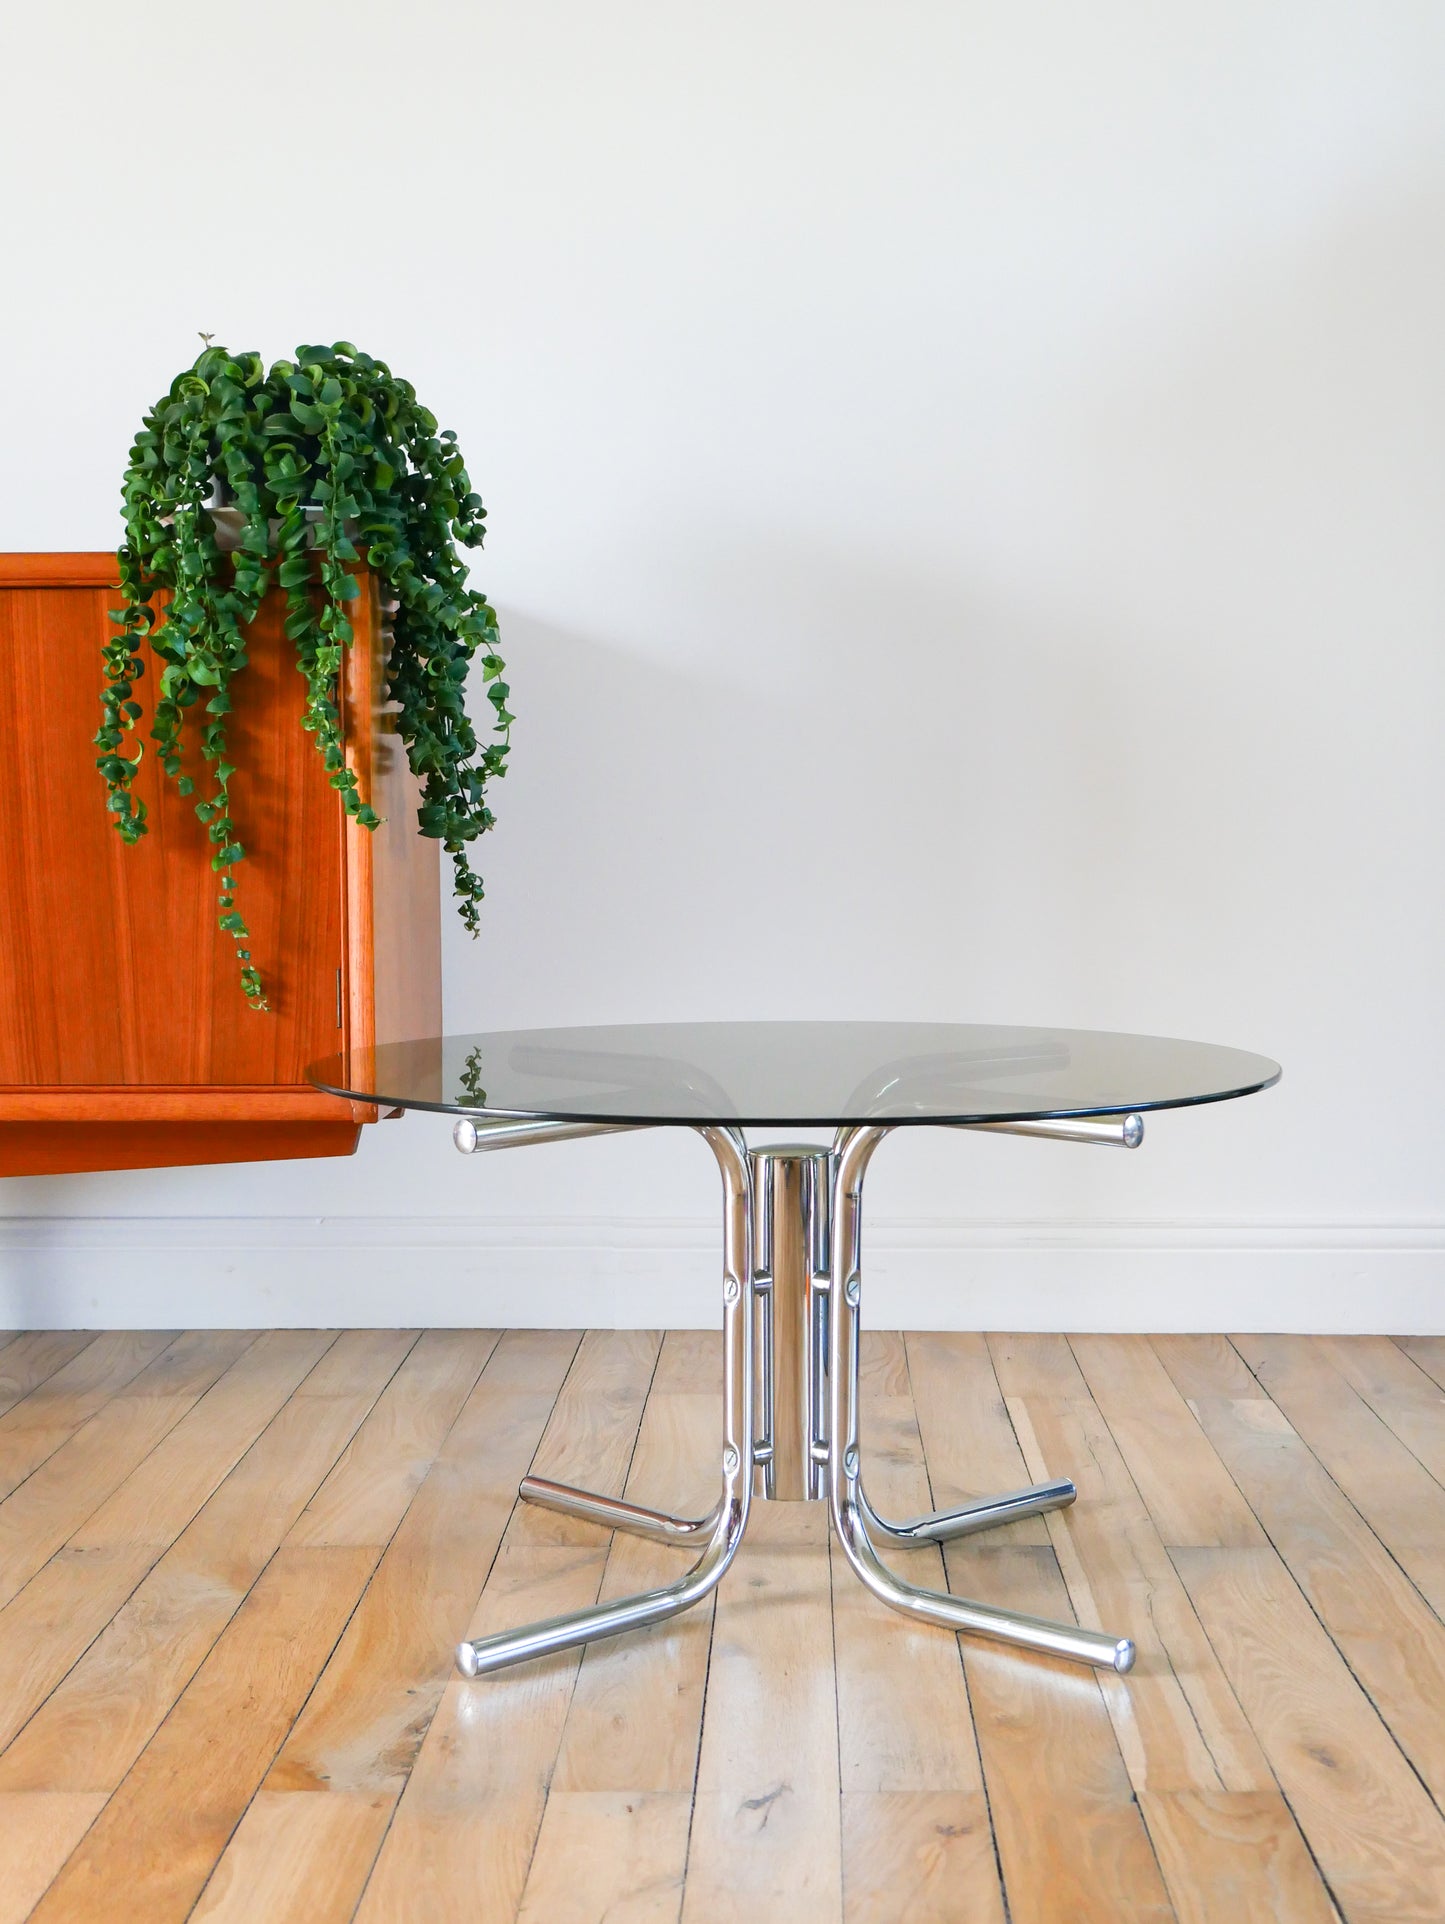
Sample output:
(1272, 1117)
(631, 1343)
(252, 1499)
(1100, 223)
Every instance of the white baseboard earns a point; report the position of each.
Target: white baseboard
(379, 1271)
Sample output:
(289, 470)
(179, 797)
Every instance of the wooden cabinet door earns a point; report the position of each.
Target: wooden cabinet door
(112, 969)
(125, 1041)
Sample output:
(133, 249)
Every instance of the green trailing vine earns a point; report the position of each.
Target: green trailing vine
(323, 463)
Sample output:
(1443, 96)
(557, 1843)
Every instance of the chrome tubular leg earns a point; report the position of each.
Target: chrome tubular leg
(853, 1150)
(659, 1526)
(984, 1513)
(485, 1654)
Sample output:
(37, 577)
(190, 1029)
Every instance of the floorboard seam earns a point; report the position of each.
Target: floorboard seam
(933, 1504)
(240, 1603)
(346, 1624)
(118, 1390)
(151, 1568)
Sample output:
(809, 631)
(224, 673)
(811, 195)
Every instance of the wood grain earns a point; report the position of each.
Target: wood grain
(592, 1432)
(1386, 1482)
(1235, 1857)
(32, 1357)
(1069, 1831)
(149, 1854)
(109, 1552)
(58, 570)
(38, 1831)
(89, 1731)
(367, 1493)
(611, 1854)
(36, 1427)
(1178, 1723)
(1426, 1353)
(1191, 1496)
(51, 1505)
(636, 1712)
(971, 1447)
(1391, 1639)
(765, 1832)
(916, 1837)
(461, 1842)
(1372, 1827)
(345, 926)
(1404, 1397)
(85, 1009)
(226, 1691)
(302, 1857)
(924, 1855)
(628, 1755)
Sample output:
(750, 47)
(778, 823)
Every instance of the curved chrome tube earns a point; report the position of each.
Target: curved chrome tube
(1109, 1132)
(475, 1658)
(611, 1513)
(853, 1151)
(984, 1513)
(494, 1132)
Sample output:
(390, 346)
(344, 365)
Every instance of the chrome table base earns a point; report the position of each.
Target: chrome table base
(792, 1282)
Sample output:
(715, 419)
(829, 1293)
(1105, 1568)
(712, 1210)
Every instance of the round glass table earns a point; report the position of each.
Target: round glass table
(792, 1264)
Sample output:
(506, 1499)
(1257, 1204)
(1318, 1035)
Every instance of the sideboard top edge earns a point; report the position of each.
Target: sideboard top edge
(86, 569)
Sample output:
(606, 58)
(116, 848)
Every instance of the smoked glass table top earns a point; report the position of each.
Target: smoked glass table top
(797, 1074)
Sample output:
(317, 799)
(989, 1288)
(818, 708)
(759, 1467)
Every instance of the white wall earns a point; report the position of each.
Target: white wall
(966, 491)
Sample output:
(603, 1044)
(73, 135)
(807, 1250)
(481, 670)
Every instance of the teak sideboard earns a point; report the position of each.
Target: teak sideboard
(125, 1041)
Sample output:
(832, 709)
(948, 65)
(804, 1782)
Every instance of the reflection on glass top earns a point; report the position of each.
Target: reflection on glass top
(803, 1074)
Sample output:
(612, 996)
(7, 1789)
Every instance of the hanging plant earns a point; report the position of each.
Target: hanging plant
(321, 463)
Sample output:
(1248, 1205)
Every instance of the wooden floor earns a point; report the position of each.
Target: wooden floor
(233, 1567)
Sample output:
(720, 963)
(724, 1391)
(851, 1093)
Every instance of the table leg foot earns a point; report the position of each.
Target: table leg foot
(984, 1513)
(478, 1656)
(722, 1530)
(960, 1613)
(611, 1513)
(848, 1507)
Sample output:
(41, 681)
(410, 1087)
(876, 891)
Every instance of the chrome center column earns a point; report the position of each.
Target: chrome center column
(792, 1200)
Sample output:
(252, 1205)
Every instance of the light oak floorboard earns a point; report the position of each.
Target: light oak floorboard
(38, 1831)
(1426, 1353)
(609, 1857)
(1189, 1493)
(765, 1843)
(1388, 1485)
(592, 1432)
(1376, 1835)
(94, 1724)
(461, 1841)
(464, 1833)
(924, 1855)
(33, 1356)
(79, 1589)
(915, 1816)
(52, 1505)
(225, 1685)
(1069, 1831)
(34, 1428)
(971, 1447)
(358, 1735)
(1176, 1718)
(303, 1857)
(1386, 1632)
(634, 1718)
(149, 1853)
(1407, 1400)
(372, 1704)
(1235, 1857)
(367, 1492)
